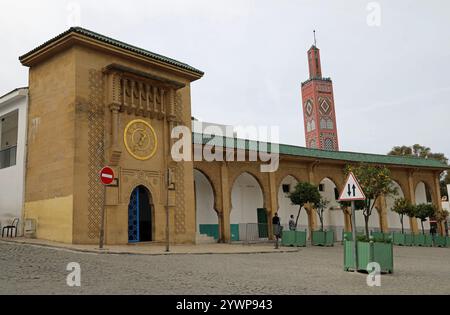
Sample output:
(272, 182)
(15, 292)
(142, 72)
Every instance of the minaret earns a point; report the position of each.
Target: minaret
(318, 106)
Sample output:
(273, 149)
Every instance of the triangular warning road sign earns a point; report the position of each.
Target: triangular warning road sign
(352, 190)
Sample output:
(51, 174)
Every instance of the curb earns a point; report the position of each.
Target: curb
(126, 253)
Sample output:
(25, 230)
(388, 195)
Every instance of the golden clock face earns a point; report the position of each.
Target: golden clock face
(140, 140)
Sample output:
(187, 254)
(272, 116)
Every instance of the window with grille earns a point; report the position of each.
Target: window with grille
(328, 144)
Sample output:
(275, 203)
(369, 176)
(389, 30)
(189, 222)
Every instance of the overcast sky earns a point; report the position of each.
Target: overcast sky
(390, 71)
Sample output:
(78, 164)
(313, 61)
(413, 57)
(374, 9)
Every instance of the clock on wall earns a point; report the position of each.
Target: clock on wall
(140, 140)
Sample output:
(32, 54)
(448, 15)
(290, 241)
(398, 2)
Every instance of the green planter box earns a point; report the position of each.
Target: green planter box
(323, 238)
(381, 253)
(423, 240)
(409, 239)
(300, 238)
(441, 241)
(288, 238)
(402, 239)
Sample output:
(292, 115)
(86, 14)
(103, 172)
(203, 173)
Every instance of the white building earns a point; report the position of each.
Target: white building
(13, 130)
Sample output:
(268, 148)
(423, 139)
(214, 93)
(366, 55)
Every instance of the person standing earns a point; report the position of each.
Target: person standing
(276, 224)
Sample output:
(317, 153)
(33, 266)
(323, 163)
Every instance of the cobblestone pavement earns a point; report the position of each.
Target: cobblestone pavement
(27, 269)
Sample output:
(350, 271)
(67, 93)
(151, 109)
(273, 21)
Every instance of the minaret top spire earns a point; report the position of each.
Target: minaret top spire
(315, 41)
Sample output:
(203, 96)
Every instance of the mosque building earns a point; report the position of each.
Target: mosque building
(93, 101)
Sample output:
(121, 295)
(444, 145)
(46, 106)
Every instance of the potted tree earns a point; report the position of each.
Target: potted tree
(442, 240)
(375, 181)
(305, 196)
(404, 209)
(423, 212)
(322, 237)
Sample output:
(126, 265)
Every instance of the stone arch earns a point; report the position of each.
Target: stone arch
(217, 204)
(282, 176)
(285, 206)
(212, 173)
(207, 216)
(263, 184)
(141, 215)
(423, 194)
(128, 190)
(334, 218)
(247, 200)
(393, 219)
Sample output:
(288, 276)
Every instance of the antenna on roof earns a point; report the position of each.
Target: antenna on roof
(315, 41)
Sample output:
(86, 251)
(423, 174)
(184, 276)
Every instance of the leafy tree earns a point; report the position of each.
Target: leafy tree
(401, 150)
(421, 151)
(304, 193)
(403, 207)
(320, 209)
(375, 181)
(424, 211)
(442, 216)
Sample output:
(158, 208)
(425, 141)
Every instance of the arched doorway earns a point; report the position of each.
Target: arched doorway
(333, 218)
(140, 216)
(423, 196)
(286, 208)
(392, 217)
(206, 215)
(247, 212)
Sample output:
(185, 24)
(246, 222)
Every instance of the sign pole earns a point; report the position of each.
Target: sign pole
(352, 191)
(102, 222)
(168, 179)
(355, 247)
(107, 178)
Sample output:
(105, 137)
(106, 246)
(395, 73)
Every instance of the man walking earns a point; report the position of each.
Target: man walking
(276, 228)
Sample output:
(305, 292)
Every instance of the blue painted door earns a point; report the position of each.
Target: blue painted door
(140, 216)
(133, 217)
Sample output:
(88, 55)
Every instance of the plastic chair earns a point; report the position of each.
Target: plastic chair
(11, 228)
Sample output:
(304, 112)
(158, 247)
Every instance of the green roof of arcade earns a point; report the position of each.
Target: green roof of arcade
(409, 161)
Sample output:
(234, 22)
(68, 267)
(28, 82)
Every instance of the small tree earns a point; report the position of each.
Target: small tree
(375, 181)
(320, 209)
(441, 217)
(422, 212)
(403, 207)
(304, 193)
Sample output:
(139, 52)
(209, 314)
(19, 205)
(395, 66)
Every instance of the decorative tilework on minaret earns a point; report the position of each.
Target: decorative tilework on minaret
(318, 107)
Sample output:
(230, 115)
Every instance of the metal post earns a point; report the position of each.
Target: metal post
(167, 211)
(102, 222)
(355, 247)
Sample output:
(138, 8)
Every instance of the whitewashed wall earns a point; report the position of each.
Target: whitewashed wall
(421, 197)
(12, 178)
(286, 208)
(246, 199)
(204, 197)
(392, 217)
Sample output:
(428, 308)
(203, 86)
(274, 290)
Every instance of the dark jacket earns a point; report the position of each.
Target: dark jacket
(276, 220)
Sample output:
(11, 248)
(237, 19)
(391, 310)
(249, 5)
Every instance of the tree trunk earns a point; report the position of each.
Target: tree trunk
(320, 214)
(298, 217)
(423, 230)
(401, 221)
(366, 222)
(321, 222)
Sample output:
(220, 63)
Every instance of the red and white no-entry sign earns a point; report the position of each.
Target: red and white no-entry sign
(107, 176)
